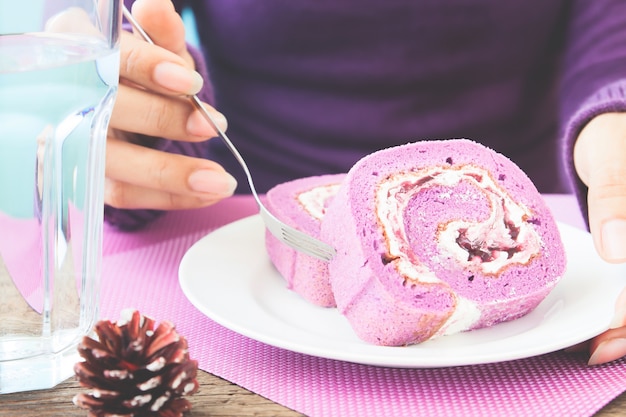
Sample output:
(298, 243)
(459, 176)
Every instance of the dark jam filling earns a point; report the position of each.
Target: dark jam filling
(476, 249)
(488, 253)
(387, 259)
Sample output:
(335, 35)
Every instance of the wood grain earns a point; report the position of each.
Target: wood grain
(216, 398)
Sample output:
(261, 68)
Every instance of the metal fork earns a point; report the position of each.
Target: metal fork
(288, 235)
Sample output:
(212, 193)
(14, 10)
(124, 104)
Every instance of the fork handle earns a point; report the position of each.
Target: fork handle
(198, 104)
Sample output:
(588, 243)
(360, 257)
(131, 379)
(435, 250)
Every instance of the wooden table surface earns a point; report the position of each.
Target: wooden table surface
(216, 398)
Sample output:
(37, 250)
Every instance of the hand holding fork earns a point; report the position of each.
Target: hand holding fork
(285, 233)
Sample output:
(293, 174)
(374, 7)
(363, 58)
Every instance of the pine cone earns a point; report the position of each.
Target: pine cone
(135, 371)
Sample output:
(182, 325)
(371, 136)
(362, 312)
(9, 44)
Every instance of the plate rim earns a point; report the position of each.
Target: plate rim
(390, 359)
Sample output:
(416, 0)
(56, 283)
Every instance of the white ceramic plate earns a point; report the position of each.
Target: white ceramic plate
(228, 277)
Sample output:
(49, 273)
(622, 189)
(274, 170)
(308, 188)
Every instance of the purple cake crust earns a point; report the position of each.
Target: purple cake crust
(304, 274)
(385, 307)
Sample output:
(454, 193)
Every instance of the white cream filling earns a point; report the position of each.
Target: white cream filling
(465, 314)
(491, 239)
(314, 200)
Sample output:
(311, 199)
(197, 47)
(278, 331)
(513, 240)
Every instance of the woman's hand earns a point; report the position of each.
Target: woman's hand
(611, 345)
(154, 80)
(600, 160)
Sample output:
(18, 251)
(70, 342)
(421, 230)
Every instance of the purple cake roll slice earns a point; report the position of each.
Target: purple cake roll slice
(302, 204)
(438, 237)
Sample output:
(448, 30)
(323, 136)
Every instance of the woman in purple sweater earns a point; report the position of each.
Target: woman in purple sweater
(310, 86)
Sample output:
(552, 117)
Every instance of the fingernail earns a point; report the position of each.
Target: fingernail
(207, 181)
(177, 78)
(614, 239)
(198, 126)
(608, 351)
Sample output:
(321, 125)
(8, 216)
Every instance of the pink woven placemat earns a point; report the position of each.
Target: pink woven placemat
(141, 271)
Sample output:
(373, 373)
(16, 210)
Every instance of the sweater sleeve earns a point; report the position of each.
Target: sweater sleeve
(594, 74)
(132, 219)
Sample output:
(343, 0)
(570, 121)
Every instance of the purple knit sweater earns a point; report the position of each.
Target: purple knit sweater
(311, 86)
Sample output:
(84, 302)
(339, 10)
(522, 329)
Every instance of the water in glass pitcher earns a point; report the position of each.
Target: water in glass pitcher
(56, 96)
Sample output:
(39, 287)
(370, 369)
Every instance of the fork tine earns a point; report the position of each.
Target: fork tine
(299, 241)
(290, 236)
(295, 238)
(306, 245)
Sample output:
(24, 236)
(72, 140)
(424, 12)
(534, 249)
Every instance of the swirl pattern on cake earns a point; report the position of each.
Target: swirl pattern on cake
(438, 237)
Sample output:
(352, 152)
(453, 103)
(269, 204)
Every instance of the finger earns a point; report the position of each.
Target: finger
(163, 24)
(156, 68)
(609, 346)
(129, 196)
(144, 112)
(600, 159)
(166, 172)
(167, 64)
